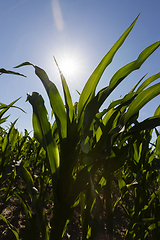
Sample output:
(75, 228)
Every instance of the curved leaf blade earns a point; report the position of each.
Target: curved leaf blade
(142, 99)
(132, 90)
(147, 82)
(147, 124)
(24, 64)
(10, 226)
(55, 101)
(5, 107)
(132, 66)
(2, 70)
(67, 95)
(42, 130)
(54, 97)
(157, 112)
(89, 88)
(96, 102)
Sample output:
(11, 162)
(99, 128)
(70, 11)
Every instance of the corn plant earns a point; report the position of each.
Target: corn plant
(140, 198)
(7, 138)
(9, 155)
(145, 164)
(7, 160)
(7, 151)
(21, 155)
(85, 146)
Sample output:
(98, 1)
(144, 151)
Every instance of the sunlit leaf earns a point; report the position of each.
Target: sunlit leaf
(67, 95)
(89, 89)
(138, 83)
(132, 66)
(147, 82)
(24, 64)
(157, 112)
(54, 97)
(142, 99)
(6, 107)
(55, 100)
(2, 70)
(42, 130)
(147, 124)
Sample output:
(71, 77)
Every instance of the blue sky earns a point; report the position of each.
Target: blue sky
(83, 30)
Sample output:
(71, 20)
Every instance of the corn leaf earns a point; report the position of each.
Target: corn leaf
(104, 123)
(28, 212)
(96, 102)
(102, 136)
(42, 130)
(54, 97)
(153, 226)
(55, 101)
(67, 95)
(127, 69)
(89, 88)
(147, 124)
(24, 64)
(5, 107)
(157, 112)
(62, 211)
(2, 70)
(138, 83)
(10, 226)
(147, 82)
(142, 99)
(2, 120)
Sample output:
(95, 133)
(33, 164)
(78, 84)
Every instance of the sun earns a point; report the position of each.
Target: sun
(69, 66)
(72, 63)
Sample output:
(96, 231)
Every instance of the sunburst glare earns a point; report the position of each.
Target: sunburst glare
(70, 66)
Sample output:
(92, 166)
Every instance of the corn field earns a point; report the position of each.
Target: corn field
(88, 158)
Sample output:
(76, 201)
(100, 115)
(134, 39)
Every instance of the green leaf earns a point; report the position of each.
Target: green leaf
(158, 145)
(147, 82)
(96, 102)
(42, 130)
(5, 107)
(54, 97)
(138, 83)
(61, 213)
(2, 70)
(104, 140)
(10, 226)
(26, 176)
(124, 101)
(142, 99)
(105, 120)
(89, 89)
(68, 99)
(153, 226)
(55, 101)
(6, 143)
(27, 209)
(132, 66)
(2, 120)
(157, 112)
(24, 64)
(121, 183)
(147, 124)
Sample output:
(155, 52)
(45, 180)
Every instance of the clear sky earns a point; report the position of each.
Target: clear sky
(78, 30)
